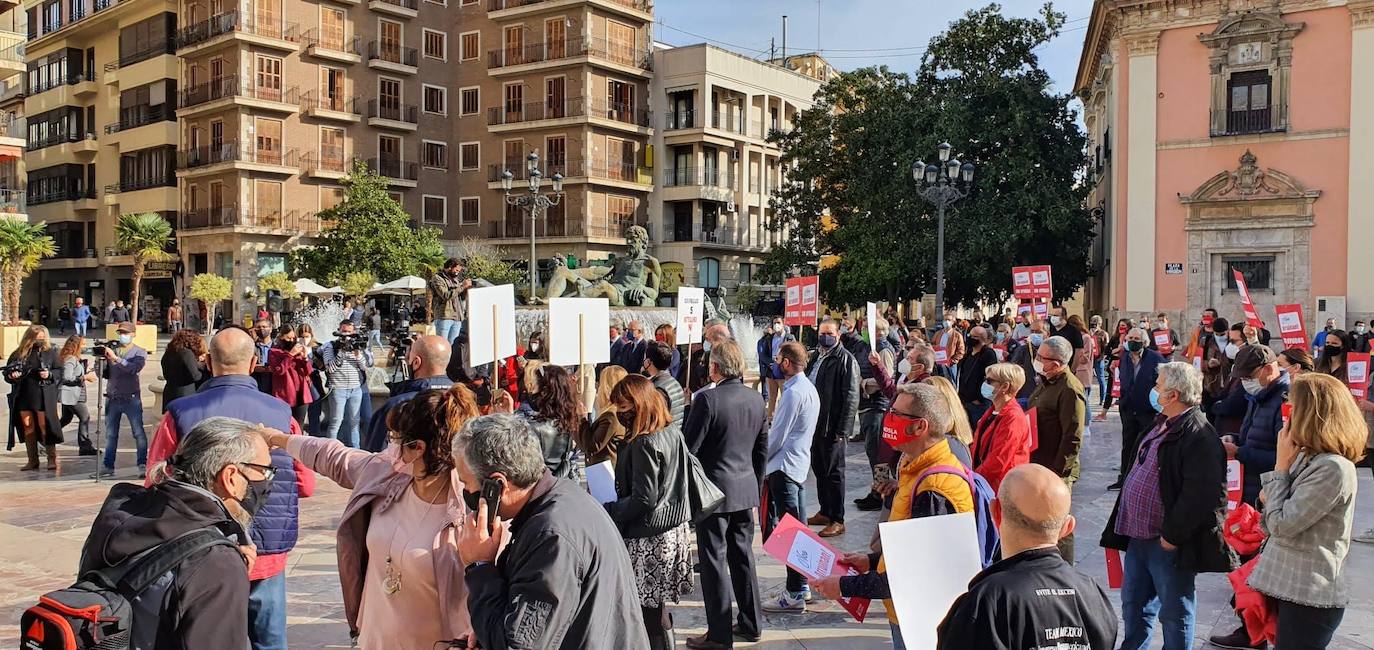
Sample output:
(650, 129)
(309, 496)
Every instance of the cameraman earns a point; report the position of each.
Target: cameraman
(346, 360)
(450, 290)
(123, 393)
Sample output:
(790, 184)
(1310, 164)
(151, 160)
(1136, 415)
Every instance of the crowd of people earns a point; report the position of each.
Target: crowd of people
(470, 523)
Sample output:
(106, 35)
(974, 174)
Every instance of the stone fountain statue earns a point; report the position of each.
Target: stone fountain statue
(633, 281)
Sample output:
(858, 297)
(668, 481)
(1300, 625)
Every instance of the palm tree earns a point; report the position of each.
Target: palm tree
(22, 246)
(146, 237)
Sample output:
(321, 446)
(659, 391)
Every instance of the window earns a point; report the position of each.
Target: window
(267, 83)
(620, 101)
(389, 97)
(708, 273)
(435, 209)
(389, 35)
(468, 2)
(436, 99)
(514, 41)
(469, 154)
(268, 141)
(436, 44)
(470, 100)
(267, 197)
(330, 197)
(515, 103)
(332, 89)
(1248, 107)
(746, 273)
(469, 210)
(556, 38)
(146, 39)
(434, 154)
(146, 168)
(1258, 273)
(555, 101)
(332, 29)
(470, 44)
(332, 149)
(620, 212)
(556, 154)
(389, 147)
(1251, 71)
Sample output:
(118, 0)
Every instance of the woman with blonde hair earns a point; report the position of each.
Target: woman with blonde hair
(72, 391)
(1002, 438)
(601, 441)
(1309, 505)
(35, 410)
(960, 434)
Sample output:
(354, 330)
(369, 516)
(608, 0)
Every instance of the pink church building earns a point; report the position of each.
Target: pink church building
(1231, 135)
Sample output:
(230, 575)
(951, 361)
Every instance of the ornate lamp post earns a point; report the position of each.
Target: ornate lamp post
(534, 204)
(942, 185)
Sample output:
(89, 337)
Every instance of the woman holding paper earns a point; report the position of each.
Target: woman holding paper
(601, 441)
(652, 507)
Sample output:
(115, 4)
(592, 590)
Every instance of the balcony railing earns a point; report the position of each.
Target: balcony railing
(332, 39)
(412, 5)
(235, 21)
(14, 90)
(313, 100)
(54, 139)
(1259, 120)
(251, 217)
(622, 53)
(12, 202)
(232, 86)
(78, 14)
(628, 172)
(391, 53)
(521, 173)
(235, 152)
(61, 195)
(156, 49)
(13, 53)
(135, 117)
(534, 111)
(393, 168)
(329, 159)
(555, 227)
(396, 112)
(627, 113)
(136, 184)
(703, 176)
(679, 120)
(497, 5)
(53, 82)
(14, 128)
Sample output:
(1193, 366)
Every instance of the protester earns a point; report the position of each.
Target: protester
(318, 379)
(1032, 598)
(374, 328)
(564, 581)
(35, 370)
(882, 458)
(449, 290)
(951, 341)
(120, 313)
(1024, 356)
(667, 335)
(788, 459)
(556, 417)
(217, 481)
(1060, 407)
(232, 392)
(1161, 333)
(427, 358)
(398, 560)
(1295, 362)
(183, 366)
(346, 365)
(1210, 347)
(1319, 340)
(630, 355)
(1309, 506)
(603, 440)
(771, 345)
(81, 316)
(727, 431)
(697, 363)
(1099, 358)
(1082, 364)
(960, 429)
(873, 403)
(860, 350)
(123, 398)
(978, 358)
(1002, 438)
(835, 374)
(657, 360)
(534, 347)
(290, 364)
(1360, 337)
(262, 372)
(1331, 361)
(72, 392)
(1170, 513)
(1205, 328)
(1060, 326)
(1139, 370)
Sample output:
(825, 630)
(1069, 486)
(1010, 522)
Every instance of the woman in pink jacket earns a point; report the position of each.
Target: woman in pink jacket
(399, 567)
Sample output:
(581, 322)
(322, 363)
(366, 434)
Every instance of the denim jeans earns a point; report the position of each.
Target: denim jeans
(267, 613)
(871, 425)
(448, 328)
(374, 338)
(344, 406)
(1100, 371)
(81, 328)
(1152, 588)
(786, 496)
(130, 407)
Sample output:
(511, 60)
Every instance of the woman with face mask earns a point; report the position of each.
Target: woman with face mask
(1332, 358)
(398, 560)
(35, 372)
(1001, 440)
(289, 362)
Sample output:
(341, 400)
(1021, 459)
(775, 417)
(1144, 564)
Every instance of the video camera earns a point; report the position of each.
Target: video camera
(402, 339)
(349, 342)
(99, 348)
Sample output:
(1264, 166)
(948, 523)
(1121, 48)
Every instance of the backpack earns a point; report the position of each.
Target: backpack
(116, 608)
(989, 542)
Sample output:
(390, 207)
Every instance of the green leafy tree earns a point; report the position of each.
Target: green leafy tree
(146, 237)
(356, 284)
(22, 246)
(368, 230)
(211, 290)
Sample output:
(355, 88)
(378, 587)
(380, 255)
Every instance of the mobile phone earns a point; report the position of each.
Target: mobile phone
(491, 493)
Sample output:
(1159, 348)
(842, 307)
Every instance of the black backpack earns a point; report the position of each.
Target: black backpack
(116, 608)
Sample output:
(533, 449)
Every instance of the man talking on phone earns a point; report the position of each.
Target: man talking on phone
(547, 568)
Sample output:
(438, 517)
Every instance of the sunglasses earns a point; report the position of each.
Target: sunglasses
(268, 472)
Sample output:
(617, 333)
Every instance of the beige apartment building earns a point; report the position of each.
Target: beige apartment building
(716, 168)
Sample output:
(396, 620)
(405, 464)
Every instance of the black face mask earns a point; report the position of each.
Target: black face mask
(472, 499)
(1333, 351)
(1134, 346)
(625, 419)
(256, 496)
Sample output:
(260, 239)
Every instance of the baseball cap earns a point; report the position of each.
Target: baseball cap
(126, 327)
(1249, 358)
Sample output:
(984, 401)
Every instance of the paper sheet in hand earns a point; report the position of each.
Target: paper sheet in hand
(922, 590)
(797, 546)
(491, 339)
(595, 317)
(871, 318)
(601, 481)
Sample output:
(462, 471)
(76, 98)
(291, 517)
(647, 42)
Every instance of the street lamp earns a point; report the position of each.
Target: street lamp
(942, 184)
(534, 204)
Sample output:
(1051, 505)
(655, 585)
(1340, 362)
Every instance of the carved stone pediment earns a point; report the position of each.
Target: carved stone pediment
(1247, 183)
(1250, 197)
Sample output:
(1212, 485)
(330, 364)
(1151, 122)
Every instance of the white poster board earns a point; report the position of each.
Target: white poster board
(691, 314)
(922, 591)
(491, 324)
(871, 317)
(601, 481)
(577, 331)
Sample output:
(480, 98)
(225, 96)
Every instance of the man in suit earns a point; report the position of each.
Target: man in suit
(835, 374)
(1139, 371)
(726, 431)
(630, 355)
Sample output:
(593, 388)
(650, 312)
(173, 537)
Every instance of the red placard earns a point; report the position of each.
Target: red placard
(1031, 282)
(1291, 329)
(1164, 342)
(941, 356)
(1286, 410)
(1116, 382)
(1357, 373)
(1001, 351)
(1235, 482)
(803, 301)
(1114, 572)
(1251, 316)
(795, 545)
(1023, 308)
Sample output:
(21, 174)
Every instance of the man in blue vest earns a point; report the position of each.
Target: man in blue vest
(232, 392)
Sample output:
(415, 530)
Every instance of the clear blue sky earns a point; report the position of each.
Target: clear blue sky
(853, 31)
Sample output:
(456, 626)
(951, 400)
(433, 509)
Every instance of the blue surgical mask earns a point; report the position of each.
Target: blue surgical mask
(1001, 336)
(1154, 400)
(125, 339)
(706, 345)
(987, 390)
(1037, 339)
(828, 341)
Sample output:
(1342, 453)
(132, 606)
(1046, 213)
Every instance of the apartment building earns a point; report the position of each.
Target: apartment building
(12, 133)
(717, 170)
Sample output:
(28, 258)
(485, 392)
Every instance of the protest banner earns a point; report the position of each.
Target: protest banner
(1291, 329)
(577, 331)
(1031, 282)
(922, 591)
(802, 306)
(491, 324)
(1251, 316)
(1357, 373)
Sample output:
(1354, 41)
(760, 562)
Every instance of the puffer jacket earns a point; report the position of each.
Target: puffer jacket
(1258, 441)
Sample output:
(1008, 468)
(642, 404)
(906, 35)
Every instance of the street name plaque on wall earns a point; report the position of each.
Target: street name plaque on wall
(1173, 268)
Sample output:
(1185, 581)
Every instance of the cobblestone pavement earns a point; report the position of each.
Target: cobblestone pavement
(44, 519)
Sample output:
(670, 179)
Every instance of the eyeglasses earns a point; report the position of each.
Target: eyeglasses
(398, 439)
(268, 472)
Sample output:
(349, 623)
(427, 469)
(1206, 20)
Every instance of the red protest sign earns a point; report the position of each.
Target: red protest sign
(1251, 316)
(797, 546)
(1291, 329)
(941, 355)
(1164, 342)
(1357, 373)
(1031, 282)
(1235, 483)
(803, 301)
(1041, 310)
(1115, 574)
(1116, 382)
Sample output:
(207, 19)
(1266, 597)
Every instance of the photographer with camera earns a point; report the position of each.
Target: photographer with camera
(289, 361)
(123, 394)
(450, 290)
(427, 358)
(35, 372)
(346, 360)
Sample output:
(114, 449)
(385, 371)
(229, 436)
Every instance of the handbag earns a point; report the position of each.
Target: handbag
(702, 495)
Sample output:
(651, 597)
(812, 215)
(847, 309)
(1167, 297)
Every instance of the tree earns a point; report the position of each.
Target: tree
(368, 230)
(211, 290)
(356, 284)
(22, 246)
(146, 237)
(484, 261)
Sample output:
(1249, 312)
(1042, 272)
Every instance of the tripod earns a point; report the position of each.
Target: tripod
(99, 416)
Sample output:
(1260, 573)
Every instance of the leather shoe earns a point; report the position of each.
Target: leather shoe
(818, 519)
(1236, 640)
(703, 643)
(741, 636)
(835, 528)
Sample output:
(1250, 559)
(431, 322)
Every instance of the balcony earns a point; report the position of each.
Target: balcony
(232, 155)
(61, 91)
(136, 184)
(579, 107)
(332, 45)
(392, 58)
(698, 176)
(79, 13)
(330, 163)
(400, 173)
(400, 117)
(622, 174)
(12, 59)
(569, 50)
(676, 120)
(402, 8)
(556, 227)
(143, 115)
(72, 194)
(61, 148)
(243, 26)
(14, 132)
(1248, 122)
(283, 222)
(145, 194)
(510, 8)
(12, 202)
(339, 109)
(219, 93)
(572, 169)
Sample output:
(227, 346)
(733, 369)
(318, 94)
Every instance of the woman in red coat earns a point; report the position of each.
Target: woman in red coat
(290, 365)
(1002, 438)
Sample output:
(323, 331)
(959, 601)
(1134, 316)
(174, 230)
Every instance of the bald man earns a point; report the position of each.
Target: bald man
(716, 331)
(428, 360)
(1032, 598)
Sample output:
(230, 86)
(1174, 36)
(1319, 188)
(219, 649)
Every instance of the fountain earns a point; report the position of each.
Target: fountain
(323, 318)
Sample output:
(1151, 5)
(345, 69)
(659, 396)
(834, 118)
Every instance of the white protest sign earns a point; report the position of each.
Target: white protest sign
(922, 591)
(691, 314)
(491, 324)
(577, 331)
(601, 481)
(871, 317)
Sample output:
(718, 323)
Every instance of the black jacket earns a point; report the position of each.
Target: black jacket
(630, 356)
(671, 391)
(30, 389)
(973, 372)
(1033, 599)
(563, 582)
(1192, 487)
(726, 431)
(651, 485)
(837, 383)
(184, 374)
(207, 603)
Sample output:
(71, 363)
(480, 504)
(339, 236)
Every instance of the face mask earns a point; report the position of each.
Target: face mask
(1232, 350)
(287, 345)
(706, 345)
(534, 347)
(1360, 329)
(256, 496)
(305, 340)
(1055, 321)
(777, 328)
(904, 367)
(1039, 367)
(1252, 386)
(629, 336)
(625, 419)
(1154, 400)
(896, 429)
(1221, 340)
(1134, 346)
(828, 341)
(1328, 328)
(1333, 351)
(845, 329)
(1001, 336)
(1036, 338)
(393, 454)
(125, 339)
(988, 391)
(948, 324)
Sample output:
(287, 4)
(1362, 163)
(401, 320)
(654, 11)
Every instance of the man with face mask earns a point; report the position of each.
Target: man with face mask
(951, 340)
(428, 359)
(1139, 369)
(630, 356)
(262, 337)
(219, 480)
(835, 374)
(124, 396)
(1360, 336)
(231, 392)
(1023, 354)
(1319, 340)
(1162, 339)
(774, 378)
(1216, 366)
(716, 331)
(1060, 407)
(1060, 326)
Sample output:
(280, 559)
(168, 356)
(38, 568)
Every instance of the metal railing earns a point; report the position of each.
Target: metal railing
(412, 5)
(553, 226)
(534, 111)
(628, 172)
(394, 168)
(226, 216)
(702, 176)
(232, 86)
(679, 120)
(136, 184)
(157, 49)
(78, 14)
(13, 53)
(12, 201)
(627, 54)
(329, 159)
(536, 52)
(143, 115)
(313, 101)
(398, 54)
(332, 39)
(54, 82)
(497, 5)
(1259, 120)
(622, 112)
(54, 139)
(235, 152)
(71, 194)
(399, 113)
(14, 128)
(520, 173)
(236, 21)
